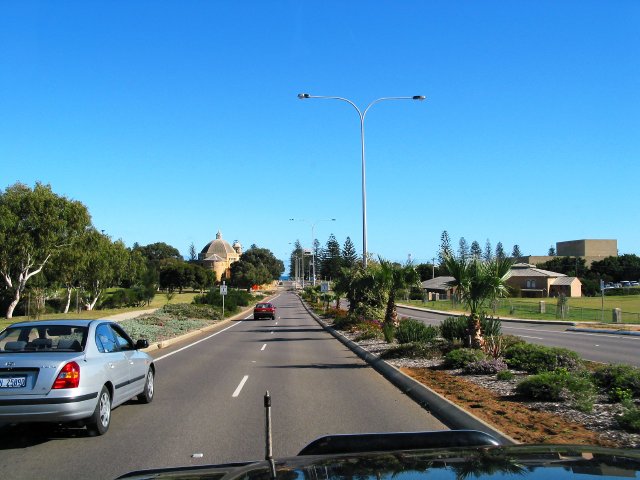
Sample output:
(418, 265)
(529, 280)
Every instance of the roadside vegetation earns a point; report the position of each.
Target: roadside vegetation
(471, 346)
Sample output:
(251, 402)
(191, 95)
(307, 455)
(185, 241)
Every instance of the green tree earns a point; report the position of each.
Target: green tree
(159, 251)
(478, 283)
(349, 255)
(516, 253)
(193, 255)
(623, 267)
(463, 248)
(256, 266)
(361, 288)
(552, 251)
(331, 259)
(392, 278)
(34, 224)
(66, 268)
(476, 251)
(445, 247)
(103, 267)
(488, 252)
(500, 251)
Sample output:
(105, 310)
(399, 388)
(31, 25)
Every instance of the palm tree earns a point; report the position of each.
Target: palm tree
(393, 277)
(478, 283)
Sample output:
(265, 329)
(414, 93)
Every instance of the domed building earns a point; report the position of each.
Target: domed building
(218, 255)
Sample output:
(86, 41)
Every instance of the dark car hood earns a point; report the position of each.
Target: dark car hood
(521, 461)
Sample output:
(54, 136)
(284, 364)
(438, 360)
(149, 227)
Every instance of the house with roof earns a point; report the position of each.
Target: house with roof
(218, 255)
(438, 285)
(535, 282)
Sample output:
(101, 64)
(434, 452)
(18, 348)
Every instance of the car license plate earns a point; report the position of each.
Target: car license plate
(13, 382)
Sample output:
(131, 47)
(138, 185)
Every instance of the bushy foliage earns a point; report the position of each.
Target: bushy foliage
(454, 328)
(462, 357)
(491, 327)
(411, 330)
(537, 358)
(505, 375)
(389, 332)
(232, 302)
(346, 322)
(123, 297)
(485, 367)
(616, 379)
(368, 330)
(412, 350)
(187, 310)
(559, 385)
(629, 420)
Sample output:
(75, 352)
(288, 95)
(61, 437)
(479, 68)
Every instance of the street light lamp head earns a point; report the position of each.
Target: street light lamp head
(302, 96)
(418, 97)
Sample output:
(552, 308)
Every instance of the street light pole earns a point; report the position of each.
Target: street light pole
(313, 250)
(362, 115)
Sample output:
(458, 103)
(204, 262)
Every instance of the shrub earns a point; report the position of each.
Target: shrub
(491, 327)
(616, 379)
(412, 350)
(454, 328)
(485, 367)
(368, 330)
(537, 358)
(347, 322)
(560, 385)
(505, 375)
(411, 330)
(233, 300)
(389, 332)
(629, 420)
(461, 357)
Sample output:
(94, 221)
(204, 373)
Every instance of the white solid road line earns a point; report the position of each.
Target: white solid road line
(239, 389)
(263, 347)
(197, 342)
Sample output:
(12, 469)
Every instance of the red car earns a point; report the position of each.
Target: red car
(264, 310)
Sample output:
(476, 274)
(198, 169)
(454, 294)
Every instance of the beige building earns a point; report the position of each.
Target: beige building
(218, 255)
(535, 282)
(590, 250)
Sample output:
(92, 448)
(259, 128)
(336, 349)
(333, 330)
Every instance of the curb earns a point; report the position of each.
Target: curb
(443, 409)
(502, 319)
(610, 332)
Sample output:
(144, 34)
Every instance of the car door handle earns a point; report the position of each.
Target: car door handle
(111, 365)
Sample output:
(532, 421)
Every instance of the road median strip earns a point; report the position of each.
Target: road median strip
(442, 408)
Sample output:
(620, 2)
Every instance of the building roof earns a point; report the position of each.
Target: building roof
(526, 270)
(564, 280)
(438, 283)
(219, 247)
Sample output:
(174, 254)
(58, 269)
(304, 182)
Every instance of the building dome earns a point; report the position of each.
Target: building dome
(218, 247)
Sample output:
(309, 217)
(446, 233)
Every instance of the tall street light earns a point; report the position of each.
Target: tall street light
(362, 114)
(313, 250)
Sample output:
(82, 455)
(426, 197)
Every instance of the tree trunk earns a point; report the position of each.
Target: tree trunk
(474, 330)
(391, 315)
(12, 305)
(66, 307)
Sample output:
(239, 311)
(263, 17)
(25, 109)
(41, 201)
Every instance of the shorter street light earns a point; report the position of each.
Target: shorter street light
(362, 114)
(313, 252)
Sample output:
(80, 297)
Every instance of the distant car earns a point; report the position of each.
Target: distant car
(264, 310)
(635, 284)
(71, 371)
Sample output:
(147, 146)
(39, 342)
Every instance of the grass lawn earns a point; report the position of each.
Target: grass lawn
(580, 309)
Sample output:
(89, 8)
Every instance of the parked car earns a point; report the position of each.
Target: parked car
(71, 371)
(264, 310)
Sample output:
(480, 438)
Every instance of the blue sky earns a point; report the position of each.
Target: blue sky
(171, 120)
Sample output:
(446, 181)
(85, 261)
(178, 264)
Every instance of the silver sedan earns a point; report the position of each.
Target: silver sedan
(73, 371)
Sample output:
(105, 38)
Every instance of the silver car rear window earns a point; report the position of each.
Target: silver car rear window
(43, 338)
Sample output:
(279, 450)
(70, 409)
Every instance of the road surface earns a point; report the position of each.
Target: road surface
(597, 347)
(209, 404)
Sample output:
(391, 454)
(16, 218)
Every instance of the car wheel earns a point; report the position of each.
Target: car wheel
(147, 394)
(99, 422)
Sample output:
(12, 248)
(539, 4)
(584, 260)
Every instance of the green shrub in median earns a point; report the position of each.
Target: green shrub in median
(412, 350)
(489, 366)
(629, 420)
(411, 330)
(619, 381)
(560, 385)
(537, 358)
(462, 357)
(455, 328)
(368, 330)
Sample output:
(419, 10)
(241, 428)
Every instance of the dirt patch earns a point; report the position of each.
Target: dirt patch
(513, 418)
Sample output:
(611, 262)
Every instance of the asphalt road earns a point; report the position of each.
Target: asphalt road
(209, 404)
(598, 347)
